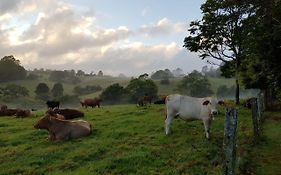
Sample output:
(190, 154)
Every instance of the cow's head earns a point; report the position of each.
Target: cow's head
(212, 104)
(44, 122)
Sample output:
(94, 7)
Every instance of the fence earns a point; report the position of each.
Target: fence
(230, 131)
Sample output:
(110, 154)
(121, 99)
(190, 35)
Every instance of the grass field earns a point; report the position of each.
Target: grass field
(126, 139)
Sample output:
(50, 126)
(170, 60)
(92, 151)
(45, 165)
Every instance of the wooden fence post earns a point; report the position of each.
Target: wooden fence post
(256, 122)
(229, 141)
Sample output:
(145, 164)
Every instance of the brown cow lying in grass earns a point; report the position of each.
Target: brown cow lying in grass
(69, 113)
(60, 129)
(5, 111)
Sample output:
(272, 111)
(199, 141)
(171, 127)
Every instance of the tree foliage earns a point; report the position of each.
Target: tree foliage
(57, 90)
(114, 94)
(64, 76)
(10, 69)
(42, 91)
(86, 90)
(162, 74)
(263, 65)
(13, 91)
(139, 87)
(220, 33)
(196, 85)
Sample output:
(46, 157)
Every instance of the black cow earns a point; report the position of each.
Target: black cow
(53, 104)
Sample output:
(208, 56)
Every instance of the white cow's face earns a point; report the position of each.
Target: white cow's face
(212, 104)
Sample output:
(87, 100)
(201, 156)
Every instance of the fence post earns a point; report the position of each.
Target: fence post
(229, 141)
(255, 116)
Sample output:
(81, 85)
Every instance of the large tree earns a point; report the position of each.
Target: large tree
(139, 87)
(10, 69)
(263, 64)
(57, 90)
(220, 33)
(195, 84)
(42, 91)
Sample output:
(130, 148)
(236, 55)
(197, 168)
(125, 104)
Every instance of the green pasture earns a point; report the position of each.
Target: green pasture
(126, 139)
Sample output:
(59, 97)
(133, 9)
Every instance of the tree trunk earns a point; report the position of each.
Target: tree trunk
(237, 99)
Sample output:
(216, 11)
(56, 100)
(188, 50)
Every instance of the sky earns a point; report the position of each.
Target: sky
(125, 36)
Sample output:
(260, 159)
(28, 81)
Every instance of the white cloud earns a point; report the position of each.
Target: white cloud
(56, 36)
(163, 27)
(144, 11)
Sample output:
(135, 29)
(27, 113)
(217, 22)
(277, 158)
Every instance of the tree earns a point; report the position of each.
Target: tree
(86, 90)
(80, 73)
(10, 69)
(100, 73)
(178, 72)
(195, 85)
(220, 33)
(139, 87)
(42, 91)
(114, 94)
(262, 68)
(57, 90)
(14, 91)
(64, 76)
(162, 74)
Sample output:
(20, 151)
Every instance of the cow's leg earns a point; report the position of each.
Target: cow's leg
(168, 122)
(207, 123)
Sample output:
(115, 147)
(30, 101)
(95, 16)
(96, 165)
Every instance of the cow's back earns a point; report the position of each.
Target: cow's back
(184, 106)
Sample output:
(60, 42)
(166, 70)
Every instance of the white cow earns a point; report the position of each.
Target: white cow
(191, 108)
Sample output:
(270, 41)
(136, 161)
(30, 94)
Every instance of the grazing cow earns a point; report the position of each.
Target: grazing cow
(91, 102)
(3, 107)
(63, 129)
(53, 104)
(21, 113)
(190, 108)
(162, 100)
(69, 113)
(8, 112)
(144, 100)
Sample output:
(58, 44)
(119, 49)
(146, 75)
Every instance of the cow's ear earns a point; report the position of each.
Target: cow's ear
(221, 102)
(206, 102)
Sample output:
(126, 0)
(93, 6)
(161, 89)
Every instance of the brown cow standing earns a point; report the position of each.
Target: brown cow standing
(63, 129)
(91, 102)
(21, 113)
(144, 100)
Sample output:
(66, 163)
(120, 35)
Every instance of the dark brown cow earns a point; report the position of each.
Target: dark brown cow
(54, 114)
(91, 102)
(144, 100)
(69, 113)
(21, 113)
(8, 112)
(161, 100)
(3, 107)
(63, 129)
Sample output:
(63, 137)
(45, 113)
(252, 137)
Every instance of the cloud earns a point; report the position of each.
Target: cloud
(163, 27)
(55, 35)
(144, 11)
